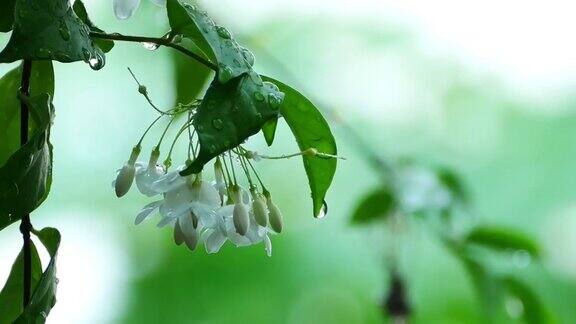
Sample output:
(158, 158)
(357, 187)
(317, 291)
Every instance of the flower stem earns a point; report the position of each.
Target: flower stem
(25, 225)
(155, 40)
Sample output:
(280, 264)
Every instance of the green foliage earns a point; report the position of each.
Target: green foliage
(311, 131)
(26, 177)
(191, 77)
(11, 295)
(269, 130)
(452, 182)
(232, 112)
(502, 239)
(6, 15)
(80, 10)
(231, 59)
(376, 205)
(44, 296)
(41, 81)
(534, 311)
(50, 30)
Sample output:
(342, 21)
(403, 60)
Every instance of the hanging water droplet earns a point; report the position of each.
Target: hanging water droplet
(256, 78)
(150, 46)
(323, 211)
(258, 96)
(97, 62)
(87, 54)
(237, 63)
(189, 6)
(218, 123)
(521, 258)
(223, 32)
(248, 56)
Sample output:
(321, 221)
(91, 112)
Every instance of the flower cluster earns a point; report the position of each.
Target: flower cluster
(211, 212)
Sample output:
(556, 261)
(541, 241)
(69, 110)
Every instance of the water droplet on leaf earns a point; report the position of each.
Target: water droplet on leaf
(258, 96)
(323, 211)
(218, 123)
(223, 32)
(248, 56)
(150, 46)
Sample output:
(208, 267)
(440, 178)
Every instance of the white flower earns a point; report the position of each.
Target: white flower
(123, 9)
(125, 175)
(148, 174)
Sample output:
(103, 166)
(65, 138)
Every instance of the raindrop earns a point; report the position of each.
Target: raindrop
(521, 258)
(218, 124)
(274, 101)
(258, 96)
(225, 73)
(97, 62)
(256, 78)
(248, 56)
(189, 6)
(64, 31)
(223, 32)
(323, 211)
(237, 63)
(87, 54)
(150, 46)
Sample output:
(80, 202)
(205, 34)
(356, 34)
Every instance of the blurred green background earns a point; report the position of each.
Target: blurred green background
(486, 88)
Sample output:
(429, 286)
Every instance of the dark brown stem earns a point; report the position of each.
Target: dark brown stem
(25, 225)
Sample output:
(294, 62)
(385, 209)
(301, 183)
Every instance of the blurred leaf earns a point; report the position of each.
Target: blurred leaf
(534, 311)
(41, 81)
(105, 45)
(502, 239)
(44, 296)
(26, 177)
(230, 113)
(376, 205)
(50, 30)
(269, 130)
(12, 294)
(311, 131)
(6, 15)
(452, 181)
(232, 59)
(191, 77)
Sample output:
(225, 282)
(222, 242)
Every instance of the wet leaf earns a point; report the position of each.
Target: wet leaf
(50, 30)
(26, 177)
(269, 130)
(503, 239)
(80, 10)
(191, 78)
(44, 296)
(13, 291)
(231, 59)
(41, 81)
(311, 131)
(232, 112)
(376, 205)
(534, 311)
(453, 182)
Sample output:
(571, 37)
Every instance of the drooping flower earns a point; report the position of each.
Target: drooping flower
(240, 215)
(125, 175)
(124, 9)
(259, 208)
(148, 174)
(275, 216)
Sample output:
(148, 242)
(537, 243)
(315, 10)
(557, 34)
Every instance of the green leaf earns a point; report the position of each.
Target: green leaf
(452, 181)
(311, 131)
(44, 296)
(534, 311)
(50, 30)
(6, 15)
(191, 78)
(269, 130)
(80, 10)
(232, 59)
(376, 205)
(232, 112)
(13, 291)
(502, 239)
(41, 81)
(26, 177)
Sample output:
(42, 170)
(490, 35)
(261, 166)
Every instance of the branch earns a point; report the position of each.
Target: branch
(158, 41)
(26, 226)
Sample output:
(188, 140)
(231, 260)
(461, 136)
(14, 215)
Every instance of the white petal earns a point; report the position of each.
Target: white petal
(190, 233)
(214, 241)
(168, 182)
(268, 246)
(123, 9)
(209, 195)
(146, 211)
(178, 235)
(145, 178)
(165, 221)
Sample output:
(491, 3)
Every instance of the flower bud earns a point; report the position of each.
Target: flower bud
(276, 221)
(241, 218)
(259, 208)
(142, 89)
(219, 176)
(191, 239)
(124, 180)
